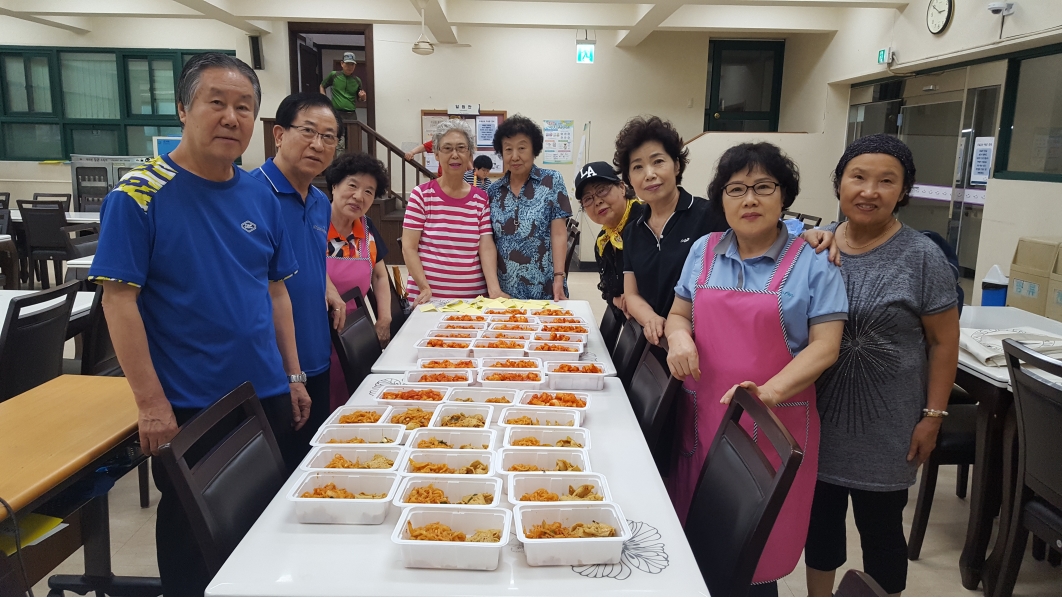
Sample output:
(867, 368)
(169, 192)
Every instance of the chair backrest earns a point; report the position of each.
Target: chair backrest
(5, 200)
(738, 496)
(786, 214)
(43, 227)
(610, 329)
(629, 349)
(652, 393)
(857, 584)
(31, 343)
(5, 221)
(573, 242)
(98, 357)
(225, 466)
(356, 345)
(1038, 405)
(398, 316)
(63, 198)
(810, 221)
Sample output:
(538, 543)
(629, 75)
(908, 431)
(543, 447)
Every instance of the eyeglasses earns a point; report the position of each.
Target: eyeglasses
(450, 149)
(590, 199)
(309, 134)
(740, 189)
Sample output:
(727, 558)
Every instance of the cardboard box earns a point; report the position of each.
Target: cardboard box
(1053, 308)
(1030, 273)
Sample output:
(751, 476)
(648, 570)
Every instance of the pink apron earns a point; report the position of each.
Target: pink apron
(347, 273)
(739, 337)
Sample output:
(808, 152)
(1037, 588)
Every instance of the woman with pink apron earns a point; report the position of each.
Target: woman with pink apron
(756, 307)
(347, 273)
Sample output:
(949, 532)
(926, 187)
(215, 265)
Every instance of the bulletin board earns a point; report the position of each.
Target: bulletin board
(483, 127)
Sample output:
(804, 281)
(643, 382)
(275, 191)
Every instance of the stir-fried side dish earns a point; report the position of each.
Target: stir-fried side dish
(439, 532)
(571, 368)
(377, 462)
(476, 467)
(552, 312)
(458, 327)
(412, 418)
(562, 465)
(438, 343)
(504, 344)
(525, 420)
(434, 443)
(497, 400)
(461, 420)
(584, 492)
(559, 399)
(330, 490)
(356, 440)
(552, 347)
(523, 327)
(565, 328)
(515, 364)
(359, 417)
(451, 335)
(430, 495)
(446, 364)
(443, 378)
(532, 441)
(514, 377)
(542, 531)
(464, 318)
(415, 394)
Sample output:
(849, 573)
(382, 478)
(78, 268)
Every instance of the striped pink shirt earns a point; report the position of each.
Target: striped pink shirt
(449, 240)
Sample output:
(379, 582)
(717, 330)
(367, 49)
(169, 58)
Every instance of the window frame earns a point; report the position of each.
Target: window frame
(715, 51)
(1006, 120)
(67, 125)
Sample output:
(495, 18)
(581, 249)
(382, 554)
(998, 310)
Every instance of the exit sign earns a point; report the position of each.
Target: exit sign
(584, 51)
(885, 56)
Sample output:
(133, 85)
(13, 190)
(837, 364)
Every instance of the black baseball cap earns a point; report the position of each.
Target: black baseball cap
(591, 172)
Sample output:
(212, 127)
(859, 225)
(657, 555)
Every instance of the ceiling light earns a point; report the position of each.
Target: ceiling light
(422, 46)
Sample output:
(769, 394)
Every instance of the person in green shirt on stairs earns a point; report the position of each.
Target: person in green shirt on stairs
(347, 88)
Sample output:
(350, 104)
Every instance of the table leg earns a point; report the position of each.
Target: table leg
(990, 570)
(986, 490)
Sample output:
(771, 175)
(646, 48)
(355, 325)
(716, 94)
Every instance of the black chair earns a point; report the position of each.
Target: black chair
(610, 329)
(738, 497)
(652, 394)
(48, 238)
(956, 445)
(1037, 504)
(61, 198)
(573, 242)
(5, 200)
(5, 221)
(810, 221)
(857, 584)
(31, 343)
(97, 356)
(629, 349)
(398, 314)
(225, 467)
(356, 345)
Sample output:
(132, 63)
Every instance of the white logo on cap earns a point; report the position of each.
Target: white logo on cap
(589, 172)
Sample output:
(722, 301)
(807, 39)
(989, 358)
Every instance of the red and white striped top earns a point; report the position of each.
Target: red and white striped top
(449, 240)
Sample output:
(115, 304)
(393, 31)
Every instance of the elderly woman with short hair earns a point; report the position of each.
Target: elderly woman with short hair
(447, 241)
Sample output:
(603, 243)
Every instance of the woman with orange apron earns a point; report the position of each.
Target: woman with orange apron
(756, 307)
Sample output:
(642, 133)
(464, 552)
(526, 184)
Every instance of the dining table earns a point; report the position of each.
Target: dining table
(82, 306)
(281, 556)
(71, 217)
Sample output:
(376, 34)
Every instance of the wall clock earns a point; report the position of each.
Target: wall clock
(938, 15)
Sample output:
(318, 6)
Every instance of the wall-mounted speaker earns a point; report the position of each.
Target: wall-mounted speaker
(256, 52)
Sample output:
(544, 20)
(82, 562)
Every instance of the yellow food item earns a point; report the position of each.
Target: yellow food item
(476, 467)
(526, 441)
(497, 400)
(434, 443)
(523, 467)
(330, 490)
(439, 532)
(486, 535)
(584, 492)
(377, 462)
(460, 420)
(525, 420)
(412, 418)
(428, 495)
(540, 495)
(360, 417)
(479, 498)
(579, 530)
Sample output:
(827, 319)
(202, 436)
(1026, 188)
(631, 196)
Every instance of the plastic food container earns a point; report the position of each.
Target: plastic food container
(457, 335)
(410, 403)
(480, 395)
(484, 374)
(452, 555)
(526, 483)
(464, 318)
(461, 326)
(504, 311)
(372, 434)
(402, 410)
(571, 551)
(548, 312)
(499, 362)
(426, 352)
(506, 335)
(572, 380)
(319, 456)
(543, 458)
(533, 350)
(526, 395)
(453, 488)
(456, 437)
(566, 328)
(568, 337)
(512, 327)
(570, 320)
(452, 458)
(383, 410)
(363, 511)
(547, 436)
(425, 364)
(413, 377)
(482, 348)
(513, 319)
(556, 416)
(450, 408)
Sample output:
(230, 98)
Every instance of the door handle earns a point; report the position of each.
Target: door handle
(716, 115)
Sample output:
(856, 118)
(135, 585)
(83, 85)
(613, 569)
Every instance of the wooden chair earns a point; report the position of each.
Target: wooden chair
(652, 394)
(31, 343)
(356, 345)
(241, 470)
(629, 349)
(738, 497)
(1037, 504)
(62, 198)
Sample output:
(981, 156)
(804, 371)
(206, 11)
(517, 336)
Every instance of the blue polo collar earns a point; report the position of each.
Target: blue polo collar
(276, 179)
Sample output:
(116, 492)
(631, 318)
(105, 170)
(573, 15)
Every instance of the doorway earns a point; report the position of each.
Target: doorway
(744, 85)
(316, 49)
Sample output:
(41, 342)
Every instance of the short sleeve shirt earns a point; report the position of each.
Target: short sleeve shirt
(870, 400)
(813, 292)
(522, 227)
(203, 254)
(344, 90)
(307, 227)
(349, 245)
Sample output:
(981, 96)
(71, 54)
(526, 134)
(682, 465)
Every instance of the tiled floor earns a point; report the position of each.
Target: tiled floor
(935, 574)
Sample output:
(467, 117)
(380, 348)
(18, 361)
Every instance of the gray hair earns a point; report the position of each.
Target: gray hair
(454, 125)
(192, 72)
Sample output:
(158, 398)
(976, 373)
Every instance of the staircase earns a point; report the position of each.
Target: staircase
(388, 211)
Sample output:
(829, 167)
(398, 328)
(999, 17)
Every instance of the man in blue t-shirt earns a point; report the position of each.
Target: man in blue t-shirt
(192, 257)
(305, 134)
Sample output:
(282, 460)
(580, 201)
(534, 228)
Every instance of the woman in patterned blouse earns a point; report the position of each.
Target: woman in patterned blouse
(529, 210)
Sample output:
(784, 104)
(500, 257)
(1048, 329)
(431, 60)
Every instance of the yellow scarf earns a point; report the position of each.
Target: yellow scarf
(614, 235)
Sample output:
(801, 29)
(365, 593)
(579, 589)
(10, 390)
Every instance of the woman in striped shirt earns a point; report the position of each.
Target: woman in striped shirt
(447, 241)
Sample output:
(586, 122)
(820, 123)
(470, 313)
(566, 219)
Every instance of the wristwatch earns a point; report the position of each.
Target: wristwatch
(299, 378)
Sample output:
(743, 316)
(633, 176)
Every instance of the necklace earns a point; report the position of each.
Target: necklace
(872, 241)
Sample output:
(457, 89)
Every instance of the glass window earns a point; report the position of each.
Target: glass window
(151, 87)
(27, 85)
(24, 141)
(90, 85)
(95, 142)
(139, 138)
(1036, 137)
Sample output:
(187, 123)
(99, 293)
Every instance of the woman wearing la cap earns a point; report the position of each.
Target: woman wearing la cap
(881, 404)
(603, 196)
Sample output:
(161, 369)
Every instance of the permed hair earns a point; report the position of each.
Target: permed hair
(519, 124)
(354, 164)
(482, 161)
(453, 125)
(291, 106)
(188, 82)
(640, 130)
(746, 157)
(879, 143)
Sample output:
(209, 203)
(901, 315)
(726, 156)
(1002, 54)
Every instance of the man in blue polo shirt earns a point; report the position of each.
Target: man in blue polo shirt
(192, 255)
(305, 134)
